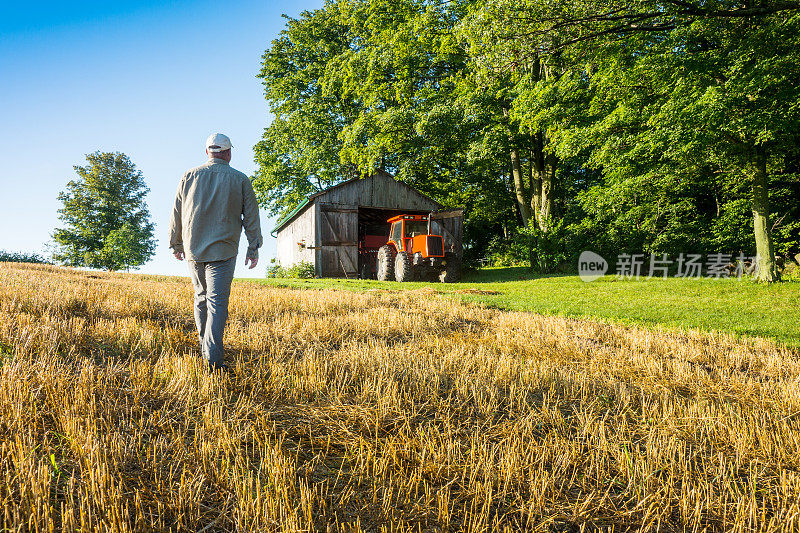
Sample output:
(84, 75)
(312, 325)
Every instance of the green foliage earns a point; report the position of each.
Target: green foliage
(674, 104)
(545, 252)
(551, 251)
(22, 257)
(791, 272)
(507, 252)
(299, 270)
(356, 86)
(655, 116)
(107, 223)
(785, 191)
(299, 152)
(122, 248)
(276, 271)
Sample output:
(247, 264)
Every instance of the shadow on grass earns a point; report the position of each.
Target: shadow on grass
(505, 274)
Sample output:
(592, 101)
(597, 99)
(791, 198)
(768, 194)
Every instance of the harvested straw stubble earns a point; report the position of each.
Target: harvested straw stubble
(353, 411)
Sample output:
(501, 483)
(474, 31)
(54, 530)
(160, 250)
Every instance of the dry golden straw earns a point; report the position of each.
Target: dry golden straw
(378, 411)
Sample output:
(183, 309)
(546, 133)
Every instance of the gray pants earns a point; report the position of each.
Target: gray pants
(212, 288)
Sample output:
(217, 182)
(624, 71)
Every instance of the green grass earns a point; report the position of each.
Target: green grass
(736, 306)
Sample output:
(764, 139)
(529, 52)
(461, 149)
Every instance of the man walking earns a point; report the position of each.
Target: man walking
(213, 203)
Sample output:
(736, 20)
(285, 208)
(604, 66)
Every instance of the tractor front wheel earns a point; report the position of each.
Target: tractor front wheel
(385, 263)
(452, 269)
(403, 267)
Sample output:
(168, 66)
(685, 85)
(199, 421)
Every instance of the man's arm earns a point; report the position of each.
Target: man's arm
(176, 226)
(251, 222)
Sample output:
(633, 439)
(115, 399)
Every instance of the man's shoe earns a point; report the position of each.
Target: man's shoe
(221, 368)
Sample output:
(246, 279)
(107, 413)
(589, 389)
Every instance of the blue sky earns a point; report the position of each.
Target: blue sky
(150, 79)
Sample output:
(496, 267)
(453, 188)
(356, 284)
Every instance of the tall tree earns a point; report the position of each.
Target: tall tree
(105, 216)
(299, 153)
(672, 86)
(498, 67)
(367, 84)
(643, 127)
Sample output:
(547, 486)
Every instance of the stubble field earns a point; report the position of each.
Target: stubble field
(395, 411)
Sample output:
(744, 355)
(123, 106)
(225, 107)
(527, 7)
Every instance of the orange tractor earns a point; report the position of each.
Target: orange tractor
(415, 253)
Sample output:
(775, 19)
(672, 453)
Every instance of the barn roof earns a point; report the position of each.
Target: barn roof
(283, 221)
(289, 216)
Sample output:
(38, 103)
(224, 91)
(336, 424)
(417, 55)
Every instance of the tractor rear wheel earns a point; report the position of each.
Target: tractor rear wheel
(452, 269)
(403, 267)
(385, 263)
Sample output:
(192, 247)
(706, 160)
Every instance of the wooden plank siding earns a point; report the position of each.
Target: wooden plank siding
(300, 230)
(378, 191)
(338, 235)
(452, 234)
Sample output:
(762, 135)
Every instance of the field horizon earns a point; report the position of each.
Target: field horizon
(740, 307)
(379, 411)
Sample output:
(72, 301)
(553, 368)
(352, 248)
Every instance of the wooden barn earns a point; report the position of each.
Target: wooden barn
(339, 229)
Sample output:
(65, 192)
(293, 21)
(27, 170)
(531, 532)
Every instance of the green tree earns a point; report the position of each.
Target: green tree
(495, 76)
(641, 126)
(657, 92)
(356, 86)
(299, 152)
(106, 220)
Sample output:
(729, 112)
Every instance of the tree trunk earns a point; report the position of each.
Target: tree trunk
(520, 190)
(536, 187)
(519, 187)
(765, 253)
(548, 177)
(537, 168)
(543, 171)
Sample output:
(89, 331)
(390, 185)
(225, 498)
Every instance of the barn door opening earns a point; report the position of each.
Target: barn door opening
(373, 232)
(338, 230)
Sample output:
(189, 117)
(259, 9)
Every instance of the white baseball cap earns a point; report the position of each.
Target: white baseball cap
(218, 142)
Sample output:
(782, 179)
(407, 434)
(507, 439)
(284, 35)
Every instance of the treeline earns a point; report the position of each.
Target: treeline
(23, 257)
(621, 127)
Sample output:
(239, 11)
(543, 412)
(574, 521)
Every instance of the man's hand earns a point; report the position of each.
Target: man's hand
(179, 256)
(253, 262)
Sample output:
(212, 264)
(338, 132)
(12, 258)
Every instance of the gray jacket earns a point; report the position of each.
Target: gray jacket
(213, 203)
